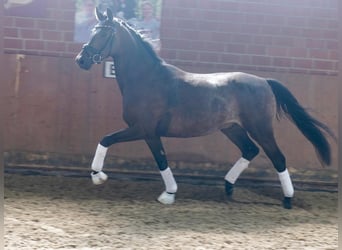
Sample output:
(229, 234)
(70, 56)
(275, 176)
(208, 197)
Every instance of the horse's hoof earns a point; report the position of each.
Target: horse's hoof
(166, 198)
(287, 203)
(229, 188)
(98, 177)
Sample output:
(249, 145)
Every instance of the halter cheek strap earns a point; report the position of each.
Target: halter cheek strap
(94, 54)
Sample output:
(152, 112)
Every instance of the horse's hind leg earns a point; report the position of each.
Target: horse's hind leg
(248, 150)
(156, 147)
(263, 135)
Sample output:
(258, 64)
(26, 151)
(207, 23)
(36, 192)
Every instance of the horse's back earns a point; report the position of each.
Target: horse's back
(209, 102)
(237, 86)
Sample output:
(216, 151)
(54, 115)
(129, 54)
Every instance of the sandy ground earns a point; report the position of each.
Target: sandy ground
(56, 212)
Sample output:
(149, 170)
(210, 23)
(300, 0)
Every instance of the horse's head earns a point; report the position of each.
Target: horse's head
(100, 45)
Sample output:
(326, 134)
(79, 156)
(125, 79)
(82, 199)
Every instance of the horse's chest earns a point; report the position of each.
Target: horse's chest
(145, 111)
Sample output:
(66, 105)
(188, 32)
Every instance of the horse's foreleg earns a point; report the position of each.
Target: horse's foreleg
(156, 147)
(129, 134)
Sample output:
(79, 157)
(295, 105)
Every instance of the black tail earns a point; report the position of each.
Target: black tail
(311, 128)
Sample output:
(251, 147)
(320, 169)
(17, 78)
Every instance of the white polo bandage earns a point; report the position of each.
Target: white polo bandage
(286, 183)
(169, 181)
(234, 173)
(99, 157)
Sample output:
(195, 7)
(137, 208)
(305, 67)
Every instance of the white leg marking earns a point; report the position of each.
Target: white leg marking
(168, 196)
(286, 183)
(99, 177)
(234, 173)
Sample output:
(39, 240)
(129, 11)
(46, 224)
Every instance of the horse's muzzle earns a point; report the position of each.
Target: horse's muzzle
(83, 62)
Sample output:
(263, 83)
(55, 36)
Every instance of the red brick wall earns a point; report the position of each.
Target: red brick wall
(61, 111)
(50, 35)
(287, 36)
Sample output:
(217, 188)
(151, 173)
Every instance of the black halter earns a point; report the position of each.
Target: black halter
(94, 54)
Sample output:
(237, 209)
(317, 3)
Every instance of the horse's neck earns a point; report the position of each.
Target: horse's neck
(134, 65)
(132, 70)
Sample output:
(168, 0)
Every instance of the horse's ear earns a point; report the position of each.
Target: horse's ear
(109, 14)
(99, 15)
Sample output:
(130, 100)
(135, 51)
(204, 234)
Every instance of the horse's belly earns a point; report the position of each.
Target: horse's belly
(196, 117)
(195, 126)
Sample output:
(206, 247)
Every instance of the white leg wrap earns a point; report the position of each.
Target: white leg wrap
(168, 196)
(286, 183)
(234, 173)
(169, 181)
(99, 157)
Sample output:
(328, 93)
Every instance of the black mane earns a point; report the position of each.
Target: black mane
(142, 41)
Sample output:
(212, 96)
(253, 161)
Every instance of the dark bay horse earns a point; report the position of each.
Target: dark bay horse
(161, 100)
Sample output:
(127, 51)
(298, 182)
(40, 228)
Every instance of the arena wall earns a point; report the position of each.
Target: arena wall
(56, 113)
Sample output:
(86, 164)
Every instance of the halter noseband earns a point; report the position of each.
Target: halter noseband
(94, 54)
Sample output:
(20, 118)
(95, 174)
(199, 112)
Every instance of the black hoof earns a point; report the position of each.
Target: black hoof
(287, 203)
(229, 188)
